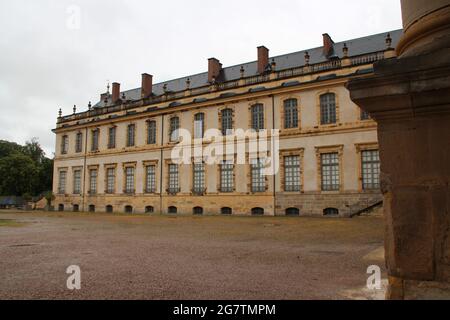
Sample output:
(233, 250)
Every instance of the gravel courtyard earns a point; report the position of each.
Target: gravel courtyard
(159, 257)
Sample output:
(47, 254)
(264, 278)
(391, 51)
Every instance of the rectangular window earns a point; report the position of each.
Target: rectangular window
(95, 134)
(173, 179)
(199, 125)
(151, 132)
(79, 142)
(130, 135)
(129, 180)
(93, 181)
(62, 182)
(330, 171)
(258, 117)
(110, 180)
(290, 114)
(227, 121)
(258, 177)
(151, 179)
(328, 108)
(227, 176)
(199, 178)
(174, 126)
(64, 144)
(77, 182)
(370, 169)
(292, 173)
(112, 138)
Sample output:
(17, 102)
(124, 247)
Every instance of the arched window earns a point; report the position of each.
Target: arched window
(226, 211)
(290, 114)
(76, 208)
(292, 212)
(109, 208)
(60, 207)
(227, 121)
(173, 210)
(173, 130)
(149, 209)
(199, 125)
(91, 208)
(258, 117)
(151, 132)
(330, 212)
(128, 209)
(198, 210)
(257, 212)
(328, 108)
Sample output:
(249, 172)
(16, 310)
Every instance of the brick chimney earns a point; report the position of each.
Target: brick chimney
(328, 45)
(115, 92)
(263, 59)
(147, 85)
(214, 68)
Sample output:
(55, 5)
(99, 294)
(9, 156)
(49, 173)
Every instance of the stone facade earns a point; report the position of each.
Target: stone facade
(348, 136)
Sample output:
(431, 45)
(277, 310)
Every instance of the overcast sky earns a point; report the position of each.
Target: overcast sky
(57, 53)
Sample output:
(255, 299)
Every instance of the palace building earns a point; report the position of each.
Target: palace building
(118, 155)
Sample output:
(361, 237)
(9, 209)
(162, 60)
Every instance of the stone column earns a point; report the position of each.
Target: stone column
(409, 97)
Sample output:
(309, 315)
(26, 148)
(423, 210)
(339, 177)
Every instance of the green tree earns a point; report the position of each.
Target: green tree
(33, 149)
(7, 148)
(19, 175)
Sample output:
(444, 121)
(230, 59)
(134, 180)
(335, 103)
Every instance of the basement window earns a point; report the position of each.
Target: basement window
(292, 212)
(173, 210)
(226, 211)
(257, 212)
(198, 211)
(329, 212)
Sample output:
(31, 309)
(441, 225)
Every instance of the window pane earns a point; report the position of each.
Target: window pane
(79, 142)
(227, 121)
(290, 114)
(151, 132)
(173, 178)
(62, 182)
(199, 123)
(131, 135)
(93, 181)
(227, 176)
(370, 169)
(111, 179)
(328, 108)
(199, 177)
(330, 171)
(77, 182)
(174, 126)
(292, 173)
(258, 117)
(151, 179)
(129, 180)
(258, 177)
(95, 134)
(112, 138)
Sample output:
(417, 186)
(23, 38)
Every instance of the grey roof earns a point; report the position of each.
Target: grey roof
(360, 46)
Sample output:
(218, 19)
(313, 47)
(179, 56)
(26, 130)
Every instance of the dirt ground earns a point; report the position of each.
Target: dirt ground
(159, 257)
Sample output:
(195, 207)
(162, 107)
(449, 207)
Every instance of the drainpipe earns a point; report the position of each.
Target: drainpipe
(273, 155)
(161, 164)
(84, 170)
